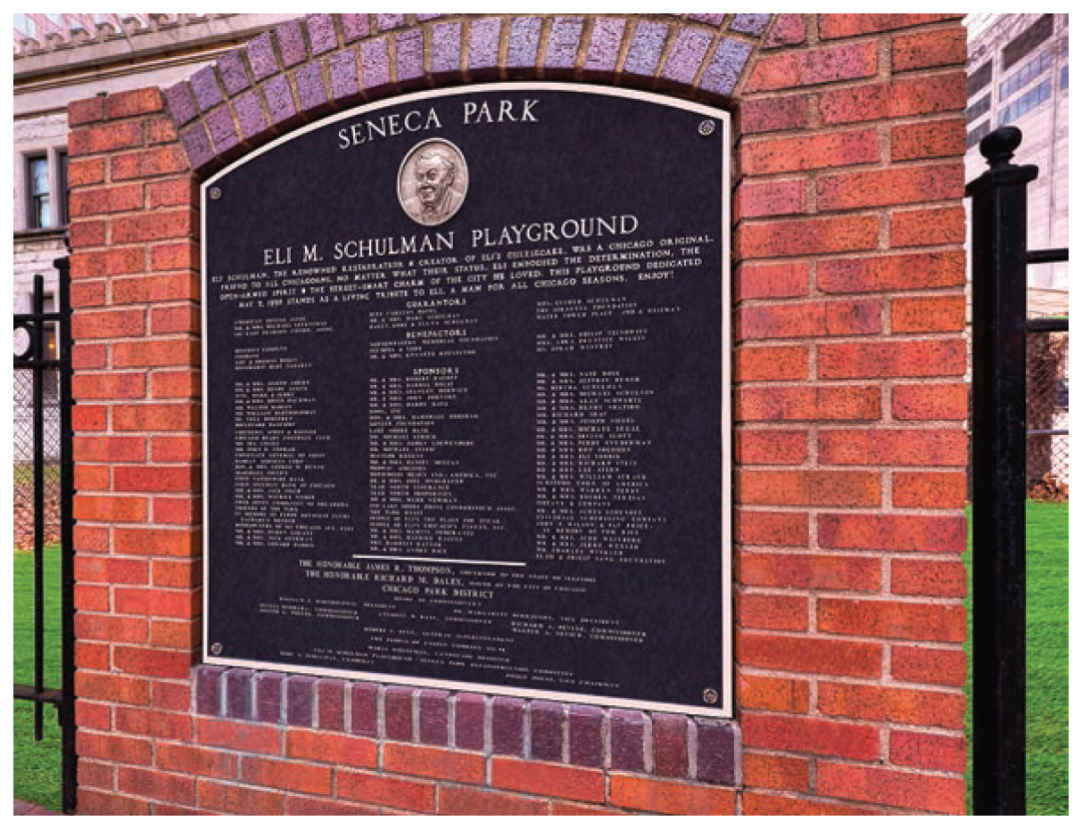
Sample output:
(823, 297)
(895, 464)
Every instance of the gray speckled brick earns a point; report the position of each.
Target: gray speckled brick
(205, 88)
(507, 726)
(546, 730)
(484, 44)
(522, 43)
(725, 66)
(712, 19)
(354, 27)
(290, 42)
(375, 64)
(208, 679)
(181, 104)
(261, 56)
(389, 21)
(331, 705)
(300, 700)
(310, 90)
(249, 114)
(563, 43)
(231, 71)
(363, 716)
(717, 752)
(645, 49)
(268, 697)
(433, 717)
(342, 70)
(749, 24)
(279, 99)
(470, 721)
(627, 740)
(196, 145)
(223, 132)
(446, 40)
(321, 33)
(238, 693)
(584, 735)
(409, 56)
(604, 45)
(686, 56)
(398, 713)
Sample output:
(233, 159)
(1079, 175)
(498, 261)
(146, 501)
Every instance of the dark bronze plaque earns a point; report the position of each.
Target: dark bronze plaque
(466, 390)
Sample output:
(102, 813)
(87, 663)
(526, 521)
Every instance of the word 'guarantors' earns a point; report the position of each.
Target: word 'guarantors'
(394, 123)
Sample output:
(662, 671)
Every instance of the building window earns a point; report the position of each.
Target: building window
(1063, 78)
(38, 187)
(1024, 103)
(1029, 40)
(978, 109)
(62, 185)
(1027, 73)
(977, 133)
(979, 79)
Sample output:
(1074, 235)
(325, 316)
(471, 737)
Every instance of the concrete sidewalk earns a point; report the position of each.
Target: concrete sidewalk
(24, 808)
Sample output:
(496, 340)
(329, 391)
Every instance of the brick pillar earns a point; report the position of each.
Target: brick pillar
(850, 446)
(135, 289)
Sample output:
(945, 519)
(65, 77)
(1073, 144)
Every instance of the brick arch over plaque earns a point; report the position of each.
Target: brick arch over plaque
(849, 406)
(307, 68)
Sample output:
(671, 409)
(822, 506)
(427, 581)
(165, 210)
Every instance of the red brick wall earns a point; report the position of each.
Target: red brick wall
(850, 446)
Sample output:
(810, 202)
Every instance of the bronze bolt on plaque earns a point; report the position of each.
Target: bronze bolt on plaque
(466, 397)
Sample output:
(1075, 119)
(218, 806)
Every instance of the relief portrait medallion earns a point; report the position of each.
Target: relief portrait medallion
(432, 181)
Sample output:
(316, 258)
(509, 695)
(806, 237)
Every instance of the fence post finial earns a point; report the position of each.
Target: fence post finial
(999, 145)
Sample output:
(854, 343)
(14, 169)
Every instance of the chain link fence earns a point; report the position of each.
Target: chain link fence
(23, 454)
(1047, 450)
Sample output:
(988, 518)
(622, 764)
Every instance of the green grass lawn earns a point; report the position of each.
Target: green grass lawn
(36, 769)
(1046, 660)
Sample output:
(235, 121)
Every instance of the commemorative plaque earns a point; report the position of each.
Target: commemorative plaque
(466, 397)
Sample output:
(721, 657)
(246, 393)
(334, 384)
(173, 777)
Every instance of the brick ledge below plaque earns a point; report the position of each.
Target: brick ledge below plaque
(612, 739)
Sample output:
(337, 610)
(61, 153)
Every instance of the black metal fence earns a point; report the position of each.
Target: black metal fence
(1002, 468)
(44, 474)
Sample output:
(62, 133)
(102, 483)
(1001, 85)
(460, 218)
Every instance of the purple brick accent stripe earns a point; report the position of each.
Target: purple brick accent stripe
(249, 114)
(546, 731)
(444, 49)
(645, 49)
(686, 56)
(310, 89)
(628, 729)
(712, 19)
(409, 55)
(300, 700)
(484, 43)
(354, 27)
(670, 745)
(398, 713)
(725, 66)
(604, 46)
(231, 71)
(749, 24)
(507, 726)
(364, 715)
(238, 693)
(470, 721)
(433, 717)
(584, 735)
(563, 43)
(321, 33)
(290, 42)
(208, 687)
(181, 104)
(196, 145)
(205, 88)
(375, 64)
(279, 99)
(717, 752)
(342, 70)
(331, 704)
(268, 697)
(522, 43)
(261, 56)
(223, 133)
(389, 21)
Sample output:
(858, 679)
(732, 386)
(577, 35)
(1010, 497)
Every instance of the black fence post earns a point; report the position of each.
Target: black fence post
(999, 259)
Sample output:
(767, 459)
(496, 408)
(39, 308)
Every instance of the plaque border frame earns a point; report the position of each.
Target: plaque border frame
(724, 708)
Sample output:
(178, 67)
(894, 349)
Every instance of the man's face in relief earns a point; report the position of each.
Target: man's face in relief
(434, 176)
